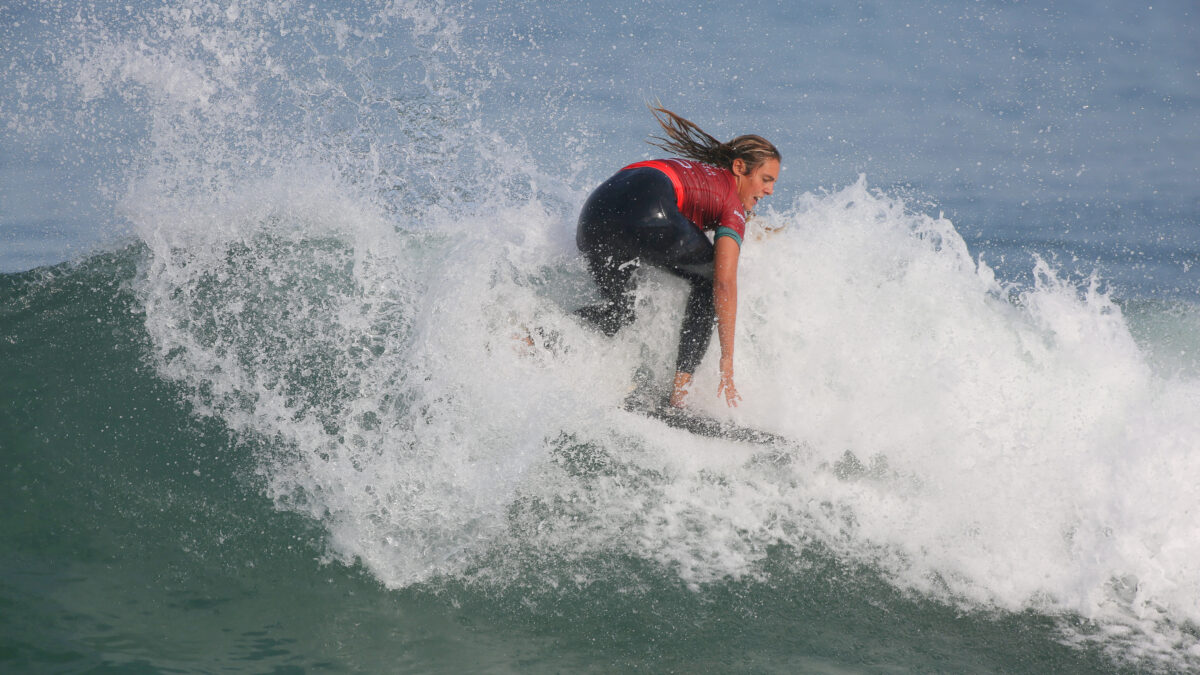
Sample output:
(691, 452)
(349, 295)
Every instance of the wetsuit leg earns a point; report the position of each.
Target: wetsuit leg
(698, 319)
(633, 218)
(614, 278)
(607, 237)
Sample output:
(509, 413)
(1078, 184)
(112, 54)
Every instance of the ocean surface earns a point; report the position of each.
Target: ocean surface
(265, 268)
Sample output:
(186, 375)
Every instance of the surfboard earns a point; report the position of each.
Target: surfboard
(656, 407)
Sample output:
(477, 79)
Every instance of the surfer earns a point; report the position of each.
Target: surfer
(657, 212)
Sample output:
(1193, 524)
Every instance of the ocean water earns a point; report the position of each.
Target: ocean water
(263, 408)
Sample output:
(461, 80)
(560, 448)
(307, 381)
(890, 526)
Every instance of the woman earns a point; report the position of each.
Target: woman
(658, 212)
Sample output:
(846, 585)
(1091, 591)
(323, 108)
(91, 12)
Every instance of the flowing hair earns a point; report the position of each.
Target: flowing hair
(690, 141)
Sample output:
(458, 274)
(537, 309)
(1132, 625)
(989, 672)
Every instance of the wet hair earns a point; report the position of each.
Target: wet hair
(688, 140)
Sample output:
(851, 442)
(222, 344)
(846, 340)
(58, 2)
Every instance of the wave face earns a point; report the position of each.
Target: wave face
(338, 256)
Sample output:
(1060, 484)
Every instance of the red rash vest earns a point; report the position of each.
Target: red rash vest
(705, 194)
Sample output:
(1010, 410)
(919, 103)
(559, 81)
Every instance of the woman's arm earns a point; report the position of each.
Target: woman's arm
(725, 262)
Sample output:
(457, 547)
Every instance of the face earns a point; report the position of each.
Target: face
(757, 184)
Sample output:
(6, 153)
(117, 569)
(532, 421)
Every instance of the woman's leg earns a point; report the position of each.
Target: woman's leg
(632, 218)
(615, 281)
(619, 228)
(699, 317)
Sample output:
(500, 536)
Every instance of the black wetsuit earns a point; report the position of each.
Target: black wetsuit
(634, 218)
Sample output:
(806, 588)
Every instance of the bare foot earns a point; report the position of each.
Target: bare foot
(679, 390)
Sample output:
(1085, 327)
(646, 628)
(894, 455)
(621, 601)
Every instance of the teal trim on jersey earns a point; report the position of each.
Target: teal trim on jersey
(727, 232)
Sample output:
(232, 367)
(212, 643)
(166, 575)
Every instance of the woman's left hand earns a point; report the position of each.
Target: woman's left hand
(725, 263)
(725, 386)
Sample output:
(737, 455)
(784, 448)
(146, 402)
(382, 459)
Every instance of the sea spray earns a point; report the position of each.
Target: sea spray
(1011, 420)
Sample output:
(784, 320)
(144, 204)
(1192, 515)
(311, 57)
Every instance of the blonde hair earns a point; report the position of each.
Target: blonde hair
(687, 140)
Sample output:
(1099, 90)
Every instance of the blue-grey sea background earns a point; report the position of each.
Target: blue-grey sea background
(262, 265)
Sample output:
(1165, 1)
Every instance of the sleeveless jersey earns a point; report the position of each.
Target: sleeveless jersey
(705, 194)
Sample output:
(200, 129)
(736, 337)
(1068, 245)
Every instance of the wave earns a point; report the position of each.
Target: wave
(994, 446)
(337, 260)
(983, 446)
